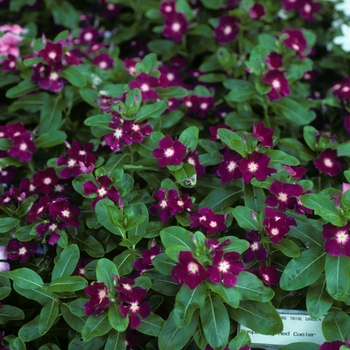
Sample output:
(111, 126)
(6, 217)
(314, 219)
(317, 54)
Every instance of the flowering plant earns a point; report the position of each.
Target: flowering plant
(171, 170)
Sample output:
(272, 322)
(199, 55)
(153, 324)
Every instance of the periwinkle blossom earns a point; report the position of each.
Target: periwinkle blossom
(342, 89)
(22, 251)
(189, 271)
(337, 239)
(255, 166)
(224, 268)
(306, 8)
(279, 84)
(52, 53)
(296, 172)
(49, 230)
(227, 29)
(277, 224)
(228, 169)
(267, 274)
(103, 61)
(199, 105)
(328, 162)
(7, 174)
(63, 210)
(169, 152)
(295, 41)
(263, 134)
(99, 300)
(48, 77)
(145, 83)
(167, 7)
(274, 60)
(133, 304)
(145, 262)
(9, 64)
(175, 26)
(45, 180)
(103, 189)
(333, 345)
(192, 158)
(257, 11)
(4, 265)
(208, 221)
(89, 36)
(255, 249)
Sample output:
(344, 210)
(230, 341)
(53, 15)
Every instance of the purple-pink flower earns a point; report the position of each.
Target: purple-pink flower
(99, 299)
(263, 134)
(279, 84)
(65, 211)
(295, 40)
(169, 152)
(274, 60)
(22, 251)
(175, 26)
(145, 262)
(103, 61)
(225, 268)
(268, 274)
(257, 11)
(189, 271)
(255, 249)
(228, 169)
(227, 29)
(328, 163)
(337, 239)
(145, 83)
(208, 221)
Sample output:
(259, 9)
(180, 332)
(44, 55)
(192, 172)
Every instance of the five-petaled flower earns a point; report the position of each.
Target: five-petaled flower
(337, 239)
(169, 152)
(208, 221)
(227, 29)
(328, 163)
(189, 271)
(99, 299)
(225, 268)
(279, 84)
(228, 169)
(255, 249)
(21, 251)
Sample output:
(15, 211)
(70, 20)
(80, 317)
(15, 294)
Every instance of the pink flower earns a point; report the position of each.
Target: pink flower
(295, 40)
(169, 152)
(99, 300)
(268, 274)
(337, 239)
(328, 163)
(52, 53)
(342, 89)
(263, 134)
(4, 266)
(65, 211)
(279, 84)
(257, 11)
(145, 83)
(274, 60)
(255, 249)
(103, 60)
(167, 7)
(21, 251)
(208, 221)
(227, 29)
(175, 26)
(228, 169)
(9, 44)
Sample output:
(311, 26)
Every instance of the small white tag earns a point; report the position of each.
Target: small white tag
(298, 327)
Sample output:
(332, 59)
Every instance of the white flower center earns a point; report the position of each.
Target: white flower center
(102, 192)
(53, 76)
(168, 9)
(22, 251)
(276, 84)
(88, 36)
(118, 133)
(12, 64)
(134, 306)
(282, 197)
(23, 146)
(71, 163)
(52, 55)
(65, 213)
(307, 8)
(254, 246)
(53, 227)
(47, 181)
(203, 105)
(103, 65)
(296, 47)
(227, 30)
(213, 224)
(169, 152)
(342, 236)
(231, 166)
(275, 231)
(102, 294)
(163, 204)
(110, 7)
(176, 26)
(327, 162)
(224, 266)
(144, 87)
(180, 203)
(170, 76)
(345, 89)
(192, 267)
(253, 167)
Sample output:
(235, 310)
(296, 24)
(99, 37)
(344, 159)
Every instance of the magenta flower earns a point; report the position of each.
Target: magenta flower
(167, 7)
(255, 166)
(277, 224)
(337, 239)
(169, 152)
(328, 163)
(145, 262)
(49, 230)
(283, 195)
(214, 245)
(80, 268)
(279, 84)
(334, 345)
(342, 89)
(175, 26)
(297, 172)
(22, 147)
(263, 134)
(132, 305)
(99, 300)
(7, 174)
(21, 251)
(109, 10)
(199, 105)
(123, 284)
(257, 11)
(145, 83)
(225, 267)
(228, 169)
(208, 221)
(227, 29)
(45, 180)
(65, 211)
(193, 159)
(103, 60)
(48, 77)
(308, 9)
(268, 274)
(295, 40)
(4, 266)
(9, 43)
(289, 5)
(37, 210)
(104, 190)
(189, 271)
(137, 131)
(255, 249)
(9, 65)
(274, 60)
(89, 36)
(52, 53)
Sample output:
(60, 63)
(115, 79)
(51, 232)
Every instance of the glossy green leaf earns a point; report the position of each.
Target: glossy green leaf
(151, 325)
(239, 341)
(105, 270)
(162, 283)
(221, 198)
(37, 294)
(75, 322)
(67, 284)
(152, 111)
(187, 301)
(175, 235)
(318, 301)
(215, 322)
(7, 224)
(48, 315)
(21, 89)
(337, 269)
(189, 137)
(50, 139)
(96, 326)
(280, 157)
(25, 278)
(18, 344)
(336, 326)
(10, 313)
(260, 317)
(124, 262)
(243, 216)
(229, 295)
(66, 262)
(163, 264)
(304, 270)
(30, 330)
(288, 248)
(117, 321)
(74, 76)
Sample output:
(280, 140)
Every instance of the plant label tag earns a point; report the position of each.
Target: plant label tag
(298, 327)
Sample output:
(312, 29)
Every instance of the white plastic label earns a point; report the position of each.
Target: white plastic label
(298, 326)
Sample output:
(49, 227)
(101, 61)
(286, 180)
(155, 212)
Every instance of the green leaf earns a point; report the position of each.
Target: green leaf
(67, 284)
(4, 292)
(240, 92)
(250, 287)
(175, 235)
(172, 91)
(186, 176)
(10, 313)
(115, 341)
(90, 244)
(244, 218)
(318, 301)
(75, 322)
(137, 211)
(189, 137)
(96, 343)
(18, 344)
(151, 325)
(303, 271)
(336, 326)
(30, 103)
(25, 278)
(215, 322)
(309, 234)
(229, 295)
(104, 272)
(280, 157)
(67, 262)
(260, 317)
(233, 140)
(213, 4)
(30, 330)
(50, 139)
(187, 301)
(37, 294)
(117, 321)
(63, 13)
(163, 264)
(254, 198)
(337, 269)
(221, 198)
(293, 112)
(124, 262)
(152, 111)
(89, 96)
(96, 326)
(7, 224)
(21, 89)
(172, 336)
(239, 341)
(317, 201)
(288, 248)
(74, 76)
(162, 283)
(48, 315)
